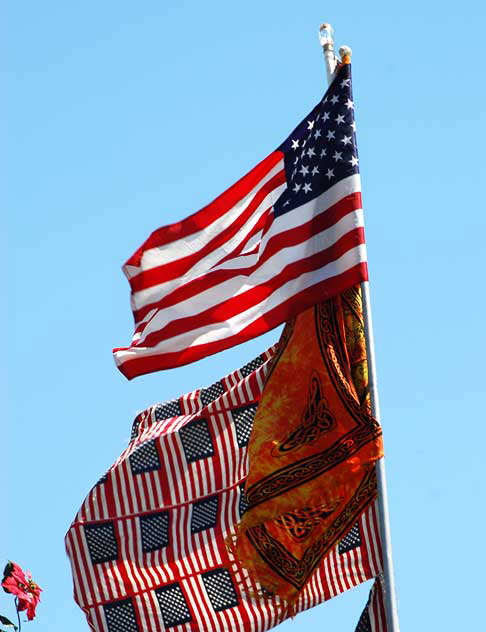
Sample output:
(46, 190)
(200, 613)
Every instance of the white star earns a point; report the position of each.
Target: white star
(307, 188)
(302, 153)
(330, 134)
(334, 99)
(305, 140)
(311, 152)
(315, 170)
(310, 125)
(286, 203)
(324, 100)
(330, 173)
(354, 161)
(349, 104)
(317, 134)
(296, 188)
(323, 152)
(304, 170)
(295, 144)
(345, 83)
(353, 126)
(337, 156)
(346, 140)
(325, 117)
(296, 160)
(339, 119)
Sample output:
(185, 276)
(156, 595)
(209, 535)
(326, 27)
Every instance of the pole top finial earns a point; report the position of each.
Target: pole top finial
(326, 36)
(345, 53)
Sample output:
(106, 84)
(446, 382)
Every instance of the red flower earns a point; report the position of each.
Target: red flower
(20, 584)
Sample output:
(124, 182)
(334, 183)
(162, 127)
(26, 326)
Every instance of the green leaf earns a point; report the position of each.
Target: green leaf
(6, 621)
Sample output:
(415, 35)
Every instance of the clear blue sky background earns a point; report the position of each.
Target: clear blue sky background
(121, 117)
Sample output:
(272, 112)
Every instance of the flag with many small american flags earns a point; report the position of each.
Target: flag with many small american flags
(286, 235)
(148, 546)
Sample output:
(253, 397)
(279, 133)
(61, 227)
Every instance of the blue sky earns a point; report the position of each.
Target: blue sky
(121, 117)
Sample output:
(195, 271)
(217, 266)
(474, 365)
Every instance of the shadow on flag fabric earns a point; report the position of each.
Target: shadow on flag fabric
(288, 233)
(148, 545)
(312, 449)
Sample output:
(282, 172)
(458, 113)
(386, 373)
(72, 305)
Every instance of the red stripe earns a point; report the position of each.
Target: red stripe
(230, 307)
(282, 240)
(288, 309)
(208, 214)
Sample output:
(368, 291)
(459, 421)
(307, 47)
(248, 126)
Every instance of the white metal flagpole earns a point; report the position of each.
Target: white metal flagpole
(326, 37)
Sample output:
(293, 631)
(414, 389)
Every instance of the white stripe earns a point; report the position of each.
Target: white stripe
(221, 331)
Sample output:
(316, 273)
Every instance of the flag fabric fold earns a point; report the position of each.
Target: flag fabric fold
(312, 448)
(148, 545)
(288, 233)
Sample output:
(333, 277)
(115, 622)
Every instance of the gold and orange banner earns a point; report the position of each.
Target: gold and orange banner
(312, 450)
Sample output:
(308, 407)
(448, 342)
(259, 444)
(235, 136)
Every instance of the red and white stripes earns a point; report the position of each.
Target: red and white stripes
(235, 270)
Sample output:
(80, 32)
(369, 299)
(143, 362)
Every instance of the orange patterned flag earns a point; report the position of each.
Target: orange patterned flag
(312, 450)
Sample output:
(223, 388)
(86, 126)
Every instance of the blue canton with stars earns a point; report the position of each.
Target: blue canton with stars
(322, 149)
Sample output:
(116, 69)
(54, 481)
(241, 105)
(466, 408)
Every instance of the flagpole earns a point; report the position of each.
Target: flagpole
(326, 37)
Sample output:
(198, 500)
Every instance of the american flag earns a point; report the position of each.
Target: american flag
(373, 617)
(286, 235)
(148, 548)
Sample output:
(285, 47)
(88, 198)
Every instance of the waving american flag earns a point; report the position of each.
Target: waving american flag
(285, 236)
